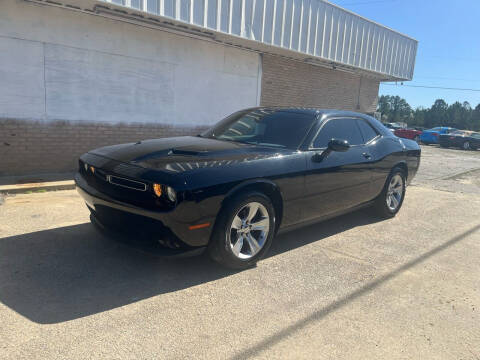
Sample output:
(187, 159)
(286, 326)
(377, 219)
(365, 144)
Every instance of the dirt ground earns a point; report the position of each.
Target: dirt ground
(348, 288)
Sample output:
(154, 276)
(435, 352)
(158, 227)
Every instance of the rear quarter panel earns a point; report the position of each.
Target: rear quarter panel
(390, 152)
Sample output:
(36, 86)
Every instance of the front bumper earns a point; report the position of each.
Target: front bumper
(171, 228)
(150, 247)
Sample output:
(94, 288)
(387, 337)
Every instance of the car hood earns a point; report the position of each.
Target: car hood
(181, 154)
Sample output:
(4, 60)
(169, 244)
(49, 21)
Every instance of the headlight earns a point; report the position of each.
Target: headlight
(172, 195)
(163, 190)
(85, 165)
(157, 189)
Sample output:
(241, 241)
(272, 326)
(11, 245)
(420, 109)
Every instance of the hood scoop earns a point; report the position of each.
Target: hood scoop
(166, 153)
(184, 152)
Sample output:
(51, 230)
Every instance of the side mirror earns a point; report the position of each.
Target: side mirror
(339, 145)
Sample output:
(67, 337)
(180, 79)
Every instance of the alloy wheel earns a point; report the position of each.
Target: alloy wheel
(249, 230)
(466, 145)
(395, 192)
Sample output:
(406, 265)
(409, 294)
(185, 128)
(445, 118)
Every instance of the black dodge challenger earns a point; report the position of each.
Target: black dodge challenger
(464, 139)
(257, 172)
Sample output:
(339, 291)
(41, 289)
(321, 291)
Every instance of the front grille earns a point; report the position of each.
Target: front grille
(126, 183)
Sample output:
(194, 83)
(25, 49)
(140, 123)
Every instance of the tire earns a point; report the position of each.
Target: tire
(466, 145)
(228, 233)
(381, 205)
(444, 145)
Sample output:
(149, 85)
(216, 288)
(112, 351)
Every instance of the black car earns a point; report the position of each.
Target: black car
(467, 140)
(257, 172)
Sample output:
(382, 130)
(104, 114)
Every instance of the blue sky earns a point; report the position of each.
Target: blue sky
(448, 55)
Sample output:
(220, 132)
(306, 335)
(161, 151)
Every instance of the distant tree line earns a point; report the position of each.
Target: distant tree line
(458, 115)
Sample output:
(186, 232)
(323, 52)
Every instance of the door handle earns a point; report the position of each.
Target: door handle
(367, 155)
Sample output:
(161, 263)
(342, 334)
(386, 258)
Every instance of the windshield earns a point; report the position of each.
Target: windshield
(275, 128)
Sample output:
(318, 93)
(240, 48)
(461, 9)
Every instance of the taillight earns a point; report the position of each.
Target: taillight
(452, 137)
(435, 134)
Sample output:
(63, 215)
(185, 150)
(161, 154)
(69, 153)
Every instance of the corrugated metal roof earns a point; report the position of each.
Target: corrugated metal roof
(314, 31)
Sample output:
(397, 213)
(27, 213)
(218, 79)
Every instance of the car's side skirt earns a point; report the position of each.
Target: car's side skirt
(286, 229)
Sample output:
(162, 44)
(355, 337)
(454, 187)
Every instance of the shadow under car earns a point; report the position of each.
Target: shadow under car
(70, 272)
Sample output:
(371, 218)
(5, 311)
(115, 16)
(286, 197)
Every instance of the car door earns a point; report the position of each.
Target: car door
(342, 179)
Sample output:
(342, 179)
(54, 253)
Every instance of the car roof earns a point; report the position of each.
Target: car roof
(310, 110)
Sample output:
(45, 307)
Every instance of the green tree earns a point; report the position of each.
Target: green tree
(475, 119)
(455, 116)
(394, 109)
(419, 116)
(459, 115)
(437, 114)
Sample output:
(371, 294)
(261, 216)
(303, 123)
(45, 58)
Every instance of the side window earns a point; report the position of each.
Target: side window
(345, 129)
(367, 130)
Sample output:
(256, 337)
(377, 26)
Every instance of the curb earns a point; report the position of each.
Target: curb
(36, 187)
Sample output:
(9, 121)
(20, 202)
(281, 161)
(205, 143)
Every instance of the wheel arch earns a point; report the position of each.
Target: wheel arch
(265, 186)
(402, 165)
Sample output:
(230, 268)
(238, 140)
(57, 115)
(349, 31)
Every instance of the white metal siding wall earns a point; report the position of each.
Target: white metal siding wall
(312, 27)
(63, 65)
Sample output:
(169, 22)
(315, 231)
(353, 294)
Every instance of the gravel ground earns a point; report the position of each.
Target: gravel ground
(349, 288)
(449, 170)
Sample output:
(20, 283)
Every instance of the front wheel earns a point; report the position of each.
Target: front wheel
(466, 145)
(390, 200)
(243, 231)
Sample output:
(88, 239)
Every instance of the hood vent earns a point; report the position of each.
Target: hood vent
(183, 152)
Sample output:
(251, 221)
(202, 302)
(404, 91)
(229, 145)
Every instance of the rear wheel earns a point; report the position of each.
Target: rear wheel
(466, 145)
(243, 231)
(416, 138)
(390, 200)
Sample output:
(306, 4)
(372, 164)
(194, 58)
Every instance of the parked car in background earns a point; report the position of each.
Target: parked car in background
(411, 134)
(393, 126)
(431, 136)
(229, 190)
(467, 140)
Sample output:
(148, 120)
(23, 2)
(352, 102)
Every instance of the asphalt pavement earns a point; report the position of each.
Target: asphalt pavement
(349, 288)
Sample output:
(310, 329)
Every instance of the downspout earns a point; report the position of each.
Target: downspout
(359, 89)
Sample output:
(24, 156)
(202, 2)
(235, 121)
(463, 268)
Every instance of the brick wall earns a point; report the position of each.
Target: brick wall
(293, 83)
(29, 147)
